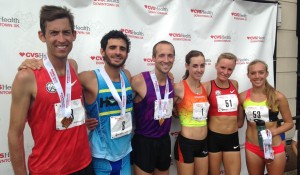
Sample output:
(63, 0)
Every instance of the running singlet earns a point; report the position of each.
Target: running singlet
(193, 108)
(144, 111)
(104, 142)
(258, 110)
(223, 101)
(55, 151)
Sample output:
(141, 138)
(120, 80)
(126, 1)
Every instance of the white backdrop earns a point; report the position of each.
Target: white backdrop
(244, 28)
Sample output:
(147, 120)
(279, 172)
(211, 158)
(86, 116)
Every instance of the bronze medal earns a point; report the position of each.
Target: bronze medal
(66, 121)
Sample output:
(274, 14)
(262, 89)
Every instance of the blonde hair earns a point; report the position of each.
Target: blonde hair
(228, 56)
(269, 91)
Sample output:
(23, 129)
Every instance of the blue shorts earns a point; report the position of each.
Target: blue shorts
(106, 167)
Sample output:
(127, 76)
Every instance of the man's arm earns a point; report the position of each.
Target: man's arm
(22, 93)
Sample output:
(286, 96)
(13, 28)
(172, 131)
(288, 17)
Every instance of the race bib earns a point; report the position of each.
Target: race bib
(120, 126)
(166, 107)
(227, 103)
(77, 115)
(257, 112)
(200, 111)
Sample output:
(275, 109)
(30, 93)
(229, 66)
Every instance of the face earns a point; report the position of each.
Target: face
(115, 53)
(58, 38)
(164, 58)
(224, 69)
(196, 67)
(257, 74)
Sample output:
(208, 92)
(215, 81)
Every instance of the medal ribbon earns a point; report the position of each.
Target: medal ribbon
(162, 108)
(65, 99)
(113, 90)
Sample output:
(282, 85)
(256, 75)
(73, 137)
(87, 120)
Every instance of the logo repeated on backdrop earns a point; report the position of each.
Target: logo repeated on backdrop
(149, 61)
(208, 62)
(31, 54)
(111, 3)
(180, 36)
(133, 34)
(221, 38)
(241, 61)
(4, 158)
(239, 16)
(5, 89)
(82, 30)
(156, 9)
(11, 22)
(202, 13)
(254, 39)
(97, 59)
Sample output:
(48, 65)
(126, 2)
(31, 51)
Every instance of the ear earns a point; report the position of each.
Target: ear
(102, 52)
(41, 36)
(74, 35)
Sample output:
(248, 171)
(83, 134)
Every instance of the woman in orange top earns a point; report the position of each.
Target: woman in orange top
(192, 106)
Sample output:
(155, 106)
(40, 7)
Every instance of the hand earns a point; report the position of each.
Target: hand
(91, 123)
(175, 113)
(30, 63)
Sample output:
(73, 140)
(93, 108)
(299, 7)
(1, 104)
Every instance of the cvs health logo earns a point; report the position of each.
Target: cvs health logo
(253, 39)
(180, 36)
(97, 59)
(132, 33)
(111, 3)
(5, 89)
(156, 9)
(9, 22)
(149, 61)
(221, 38)
(239, 16)
(4, 157)
(31, 54)
(202, 13)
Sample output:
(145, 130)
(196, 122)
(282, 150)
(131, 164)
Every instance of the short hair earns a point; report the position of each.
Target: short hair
(154, 51)
(50, 13)
(116, 35)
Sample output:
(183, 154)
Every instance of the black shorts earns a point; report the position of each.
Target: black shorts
(223, 142)
(150, 153)
(185, 150)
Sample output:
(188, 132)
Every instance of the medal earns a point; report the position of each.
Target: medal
(66, 121)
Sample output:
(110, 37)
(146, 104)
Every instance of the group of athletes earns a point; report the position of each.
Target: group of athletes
(58, 105)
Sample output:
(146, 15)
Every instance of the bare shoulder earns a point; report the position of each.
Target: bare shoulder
(280, 96)
(128, 74)
(86, 76)
(235, 83)
(178, 86)
(242, 96)
(24, 82)
(207, 87)
(74, 64)
(137, 79)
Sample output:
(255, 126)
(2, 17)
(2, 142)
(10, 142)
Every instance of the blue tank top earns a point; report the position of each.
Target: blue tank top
(144, 111)
(105, 106)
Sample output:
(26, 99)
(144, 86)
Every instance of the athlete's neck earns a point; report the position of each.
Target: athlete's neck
(59, 64)
(222, 84)
(113, 73)
(194, 84)
(161, 77)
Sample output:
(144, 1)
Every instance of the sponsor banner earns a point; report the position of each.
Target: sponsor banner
(211, 26)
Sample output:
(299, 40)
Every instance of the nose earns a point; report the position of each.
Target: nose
(61, 38)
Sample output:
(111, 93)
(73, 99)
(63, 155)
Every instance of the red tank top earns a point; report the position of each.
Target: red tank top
(55, 152)
(223, 101)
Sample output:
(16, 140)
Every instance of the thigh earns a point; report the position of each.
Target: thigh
(232, 162)
(214, 162)
(255, 164)
(201, 166)
(185, 168)
(277, 165)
